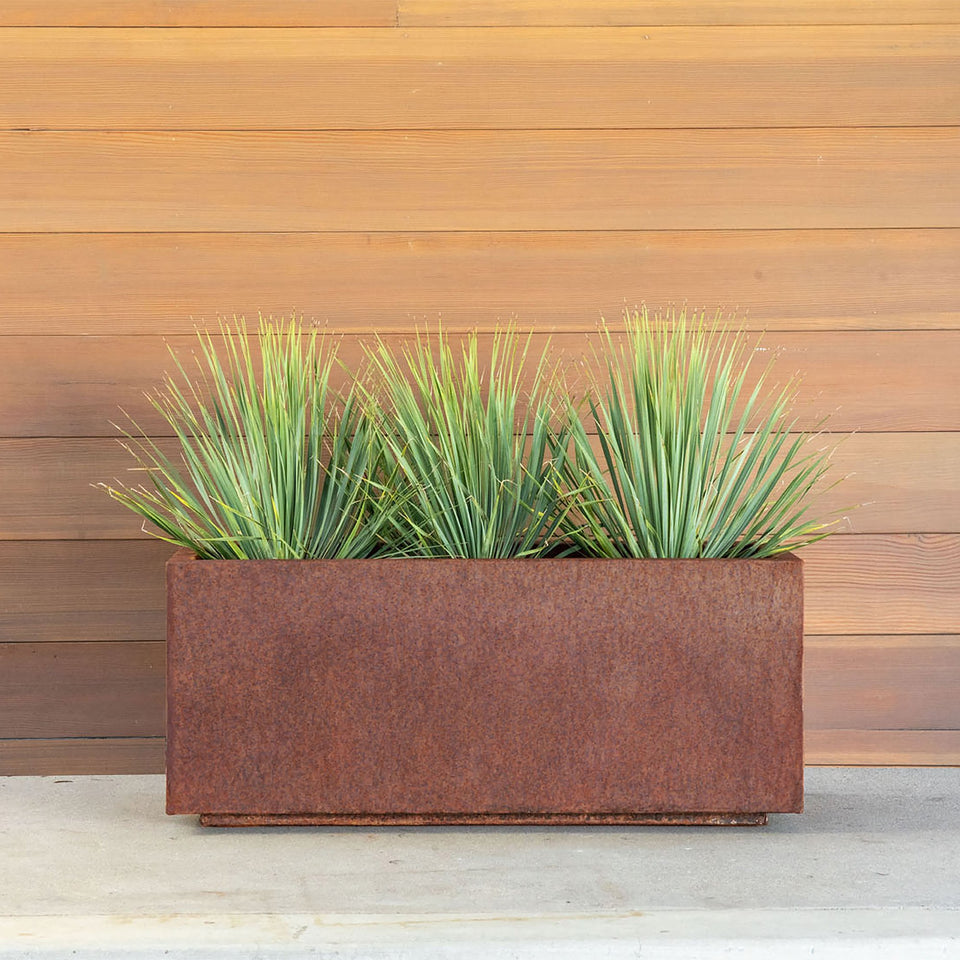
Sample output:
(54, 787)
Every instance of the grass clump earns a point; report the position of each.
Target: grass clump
(274, 464)
(692, 461)
(474, 447)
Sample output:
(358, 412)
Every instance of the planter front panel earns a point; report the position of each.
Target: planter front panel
(468, 687)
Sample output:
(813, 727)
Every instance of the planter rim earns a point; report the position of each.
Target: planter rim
(184, 555)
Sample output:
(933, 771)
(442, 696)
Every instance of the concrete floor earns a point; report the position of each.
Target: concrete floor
(90, 867)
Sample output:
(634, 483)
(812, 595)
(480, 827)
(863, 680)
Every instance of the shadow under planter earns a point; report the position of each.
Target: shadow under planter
(560, 691)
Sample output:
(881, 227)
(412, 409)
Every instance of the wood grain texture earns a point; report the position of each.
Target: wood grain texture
(197, 13)
(548, 161)
(877, 381)
(57, 690)
(882, 683)
(895, 483)
(113, 590)
(461, 78)
(883, 584)
(652, 12)
(780, 280)
(49, 491)
(885, 748)
(81, 756)
(308, 13)
(81, 689)
(479, 180)
(75, 590)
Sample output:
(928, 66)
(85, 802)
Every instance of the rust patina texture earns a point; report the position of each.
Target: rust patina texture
(484, 691)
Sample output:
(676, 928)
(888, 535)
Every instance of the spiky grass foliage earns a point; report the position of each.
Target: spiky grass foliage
(473, 446)
(274, 465)
(692, 462)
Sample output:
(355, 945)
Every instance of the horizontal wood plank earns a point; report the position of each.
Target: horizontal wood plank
(882, 683)
(884, 748)
(197, 13)
(876, 381)
(479, 180)
(895, 483)
(651, 12)
(76, 590)
(308, 13)
(82, 689)
(50, 493)
(883, 584)
(81, 756)
(114, 590)
(777, 280)
(546, 78)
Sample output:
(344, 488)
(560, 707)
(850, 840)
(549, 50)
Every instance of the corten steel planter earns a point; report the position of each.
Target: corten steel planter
(484, 691)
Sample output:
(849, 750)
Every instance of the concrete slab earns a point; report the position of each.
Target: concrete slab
(92, 868)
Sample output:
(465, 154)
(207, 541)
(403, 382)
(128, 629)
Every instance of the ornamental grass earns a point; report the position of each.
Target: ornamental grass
(438, 448)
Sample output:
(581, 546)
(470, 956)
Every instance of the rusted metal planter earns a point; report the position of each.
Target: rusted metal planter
(484, 691)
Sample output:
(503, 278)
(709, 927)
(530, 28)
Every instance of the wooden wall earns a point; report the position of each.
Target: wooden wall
(167, 161)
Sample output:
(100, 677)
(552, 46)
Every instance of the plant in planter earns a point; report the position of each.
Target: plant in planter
(273, 466)
(692, 464)
(477, 459)
(510, 628)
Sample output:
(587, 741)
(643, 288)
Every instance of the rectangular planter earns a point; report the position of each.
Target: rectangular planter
(484, 691)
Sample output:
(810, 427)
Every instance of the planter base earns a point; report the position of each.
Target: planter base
(480, 819)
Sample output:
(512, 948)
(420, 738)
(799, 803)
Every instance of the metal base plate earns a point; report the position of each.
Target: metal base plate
(480, 819)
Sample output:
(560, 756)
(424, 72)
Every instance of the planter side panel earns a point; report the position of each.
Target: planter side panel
(466, 687)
